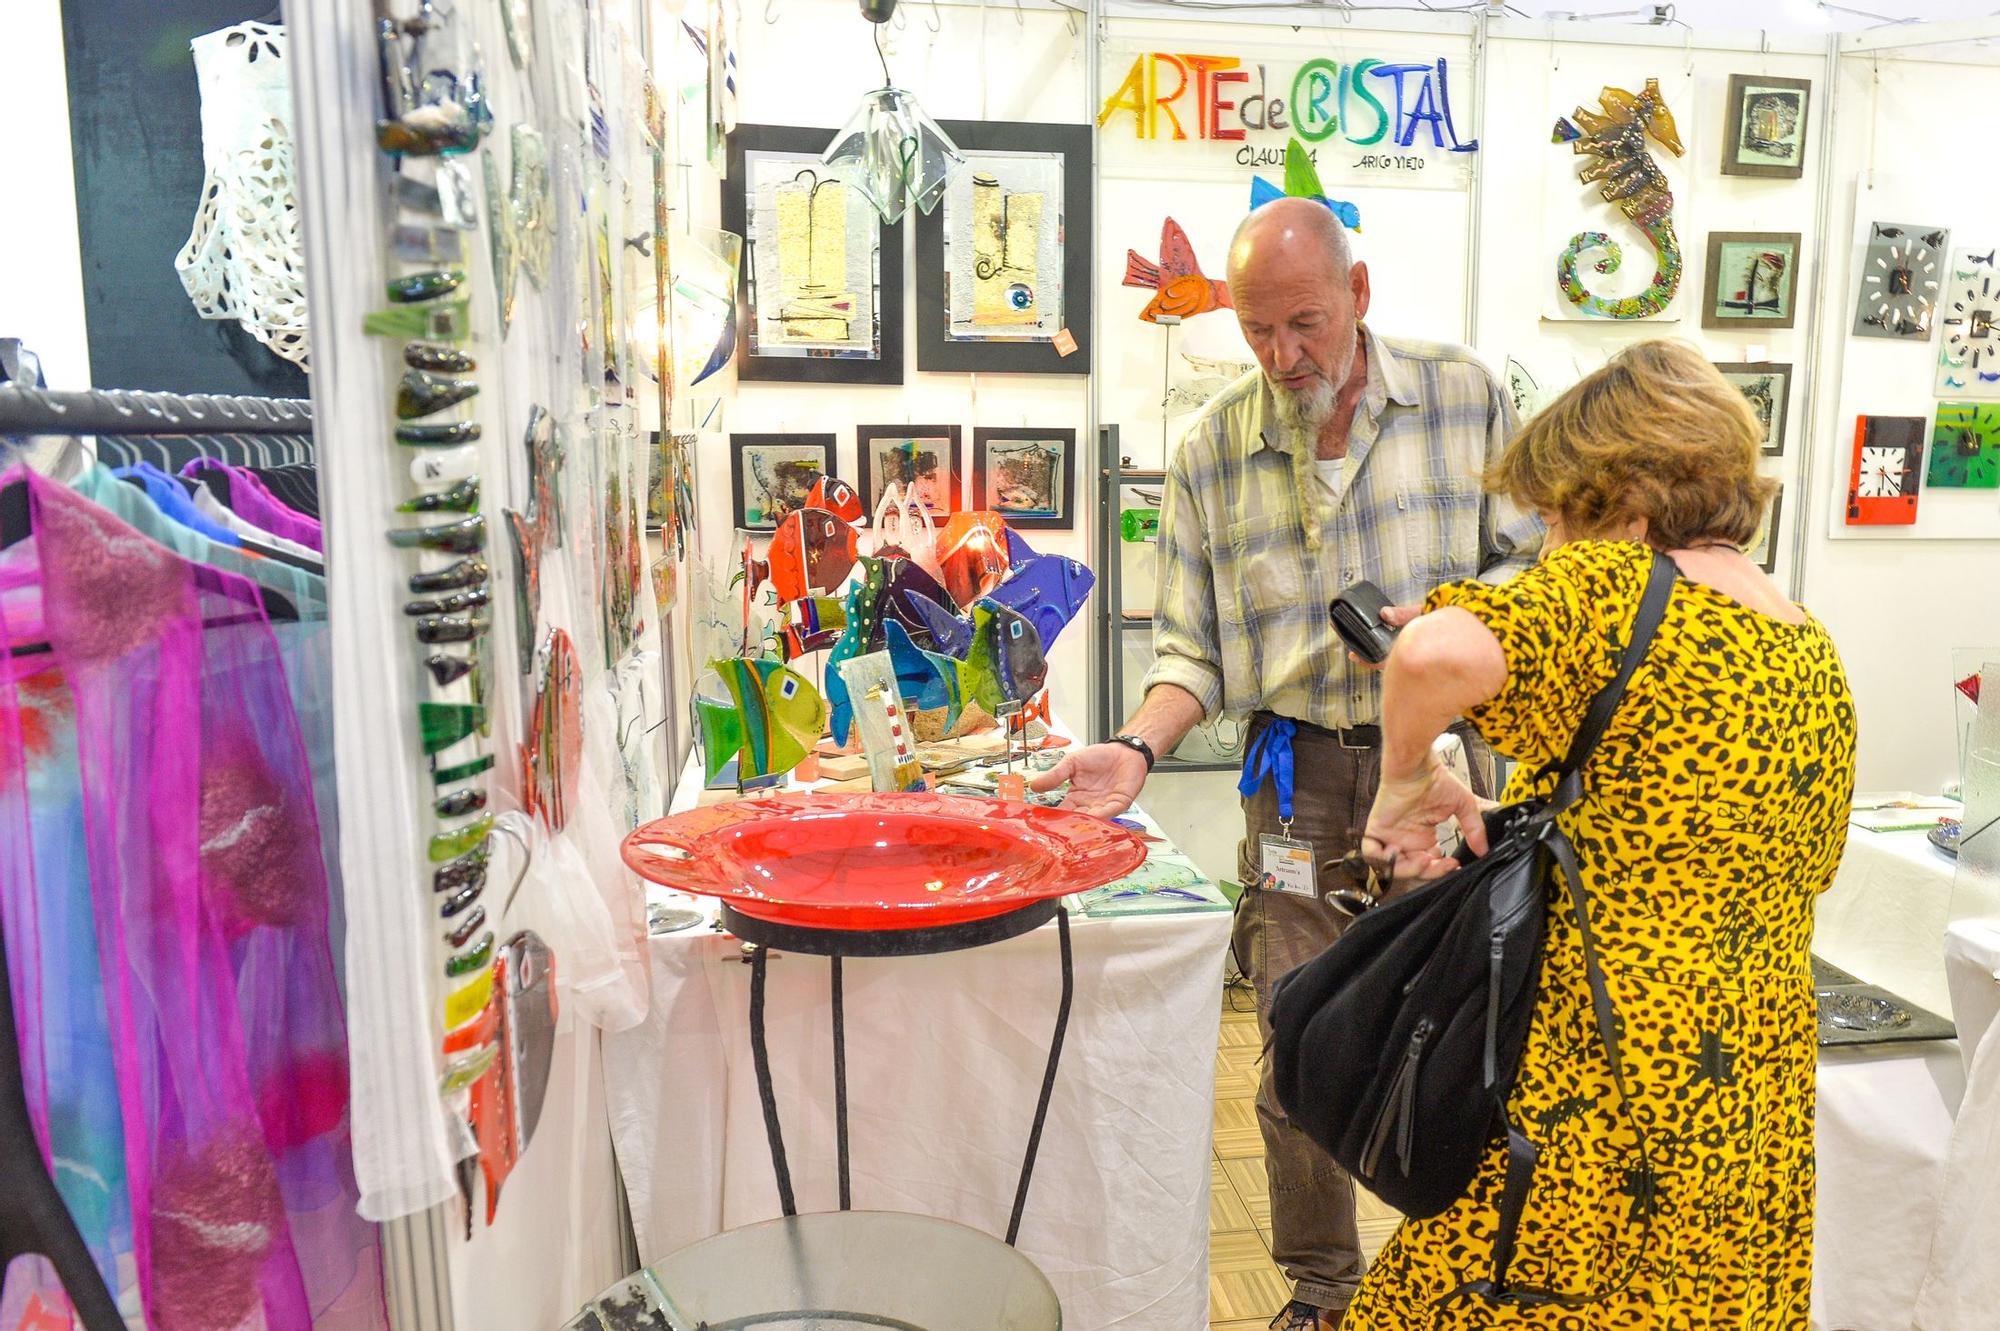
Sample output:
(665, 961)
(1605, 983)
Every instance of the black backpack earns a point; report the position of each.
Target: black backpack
(1395, 1048)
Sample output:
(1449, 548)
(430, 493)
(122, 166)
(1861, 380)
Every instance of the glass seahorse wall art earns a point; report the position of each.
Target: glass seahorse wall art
(1633, 181)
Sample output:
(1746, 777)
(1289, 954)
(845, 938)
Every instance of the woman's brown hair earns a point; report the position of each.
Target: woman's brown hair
(1658, 434)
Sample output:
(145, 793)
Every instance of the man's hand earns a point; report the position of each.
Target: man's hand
(1103, 779)
(1403, 825)
(1395, 616)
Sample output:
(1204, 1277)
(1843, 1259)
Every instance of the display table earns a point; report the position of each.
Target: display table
(1884, 917)
(945, 1056)
(1886, 1112)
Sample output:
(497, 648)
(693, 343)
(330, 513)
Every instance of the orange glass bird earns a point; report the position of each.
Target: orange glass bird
(1177, 281)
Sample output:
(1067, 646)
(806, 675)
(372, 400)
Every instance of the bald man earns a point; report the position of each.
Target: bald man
(1345, 457)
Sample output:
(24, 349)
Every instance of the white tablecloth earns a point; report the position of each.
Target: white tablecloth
(1884, 917)
(945, 1057)
(1886, 1113)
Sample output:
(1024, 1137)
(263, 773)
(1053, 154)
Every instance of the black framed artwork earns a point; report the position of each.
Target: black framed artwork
(771, 474)
(1767, 387)
(925, 461)
(1003, 261)
(822, 279)
(1752, 280)
(1763, 550)
(1767, 126)
(1027, 476)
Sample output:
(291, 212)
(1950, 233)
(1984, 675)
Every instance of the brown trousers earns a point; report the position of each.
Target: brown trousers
(1313, 1234)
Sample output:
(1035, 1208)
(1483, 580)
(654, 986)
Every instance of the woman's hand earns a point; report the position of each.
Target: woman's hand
(1402, 827)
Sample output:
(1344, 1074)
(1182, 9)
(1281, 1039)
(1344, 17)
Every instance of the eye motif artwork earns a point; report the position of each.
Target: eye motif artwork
(1888, 461)
(1969, 349)
(1901, 276)
(1007, 217)
(1635, 184)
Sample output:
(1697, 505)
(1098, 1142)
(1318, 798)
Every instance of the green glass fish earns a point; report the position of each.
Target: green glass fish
(425, 286)
(772, 720)
(461, 840)
(440, 321)
(446, 723)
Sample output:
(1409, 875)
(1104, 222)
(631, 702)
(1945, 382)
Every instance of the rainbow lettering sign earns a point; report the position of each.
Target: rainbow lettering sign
(1372, 115)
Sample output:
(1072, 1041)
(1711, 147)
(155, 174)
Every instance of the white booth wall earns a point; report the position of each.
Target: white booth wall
(41, 293)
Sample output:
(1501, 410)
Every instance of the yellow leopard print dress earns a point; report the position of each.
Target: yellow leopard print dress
(1717, 810)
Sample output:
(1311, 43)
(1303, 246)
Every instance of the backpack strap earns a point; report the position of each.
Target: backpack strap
(1522, 1153)
(1645, 624)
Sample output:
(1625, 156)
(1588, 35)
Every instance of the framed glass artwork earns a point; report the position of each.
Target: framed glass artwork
(924, 460)
(1902, 273)
(771, 474)
(1003, 263)
(1965, 447)
(1969, 348)
(1763, 551)
(822, 278)
(1767, 386)
(1888, 462)
(1753, 280)
(1027, 476)
(1767, 126)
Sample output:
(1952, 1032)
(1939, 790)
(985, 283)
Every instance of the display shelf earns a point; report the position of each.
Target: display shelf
(1127, 566)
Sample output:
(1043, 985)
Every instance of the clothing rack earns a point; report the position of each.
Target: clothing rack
(101, 411)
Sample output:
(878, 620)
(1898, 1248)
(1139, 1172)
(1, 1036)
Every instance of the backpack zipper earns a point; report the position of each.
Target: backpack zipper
(1398, 1105)
(1493, 976)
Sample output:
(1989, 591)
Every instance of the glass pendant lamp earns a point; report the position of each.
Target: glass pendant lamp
(890, 150)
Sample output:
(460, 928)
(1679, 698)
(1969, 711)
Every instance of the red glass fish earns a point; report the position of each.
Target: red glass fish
(812, 552)
(836, 497)
(1180, 287)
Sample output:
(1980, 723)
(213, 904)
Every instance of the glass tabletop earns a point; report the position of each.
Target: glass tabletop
(836, 1271)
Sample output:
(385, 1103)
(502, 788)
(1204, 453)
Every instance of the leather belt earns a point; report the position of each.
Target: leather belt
(1355, 737)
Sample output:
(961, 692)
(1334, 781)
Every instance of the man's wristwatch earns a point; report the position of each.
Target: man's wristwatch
(1140, 747)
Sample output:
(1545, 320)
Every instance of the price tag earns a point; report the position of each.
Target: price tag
(1288, 866)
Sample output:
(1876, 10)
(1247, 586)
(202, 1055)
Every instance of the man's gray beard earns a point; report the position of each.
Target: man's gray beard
(1307, 411)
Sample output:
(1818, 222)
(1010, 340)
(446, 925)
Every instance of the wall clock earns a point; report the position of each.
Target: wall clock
(1901, 276)
(1969, 346)
(1965, 447)
(1888, 460)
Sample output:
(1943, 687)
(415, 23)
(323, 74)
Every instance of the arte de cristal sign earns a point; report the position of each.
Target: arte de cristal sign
(1370, 113)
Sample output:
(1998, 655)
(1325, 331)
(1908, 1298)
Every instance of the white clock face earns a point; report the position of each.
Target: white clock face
(1969, 314)
(1882, 472)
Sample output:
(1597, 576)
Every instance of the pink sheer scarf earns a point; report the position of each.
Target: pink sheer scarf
(210, 907)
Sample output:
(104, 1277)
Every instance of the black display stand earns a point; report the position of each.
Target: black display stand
(33, 1218)
(838, 944)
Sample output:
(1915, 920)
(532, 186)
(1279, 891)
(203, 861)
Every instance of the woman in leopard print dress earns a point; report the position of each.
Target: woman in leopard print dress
(1716, 810)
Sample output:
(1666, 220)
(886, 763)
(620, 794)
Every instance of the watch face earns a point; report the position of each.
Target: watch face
(1901, 276)
(1969, 328)
(1882, 487)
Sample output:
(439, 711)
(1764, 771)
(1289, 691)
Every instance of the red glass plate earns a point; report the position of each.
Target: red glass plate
(857, 860)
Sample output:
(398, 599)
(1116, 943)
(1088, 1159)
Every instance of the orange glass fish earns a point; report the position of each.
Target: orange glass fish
(812, 551)
(972, 555)
(1179, 287)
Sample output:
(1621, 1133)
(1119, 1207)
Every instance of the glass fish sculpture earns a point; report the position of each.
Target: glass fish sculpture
(772, 719)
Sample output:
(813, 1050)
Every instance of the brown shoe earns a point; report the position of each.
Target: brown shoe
(1298, 1316)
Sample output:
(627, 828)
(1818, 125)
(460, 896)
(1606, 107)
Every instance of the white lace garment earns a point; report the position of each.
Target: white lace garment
(243, 260)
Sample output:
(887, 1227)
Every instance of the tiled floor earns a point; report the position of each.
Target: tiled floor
(1245, 1288)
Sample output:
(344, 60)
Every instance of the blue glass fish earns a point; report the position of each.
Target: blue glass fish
(771, 722)
(926, 680)
(1048, 589)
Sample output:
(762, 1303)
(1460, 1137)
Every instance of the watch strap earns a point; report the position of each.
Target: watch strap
(1140, 747)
